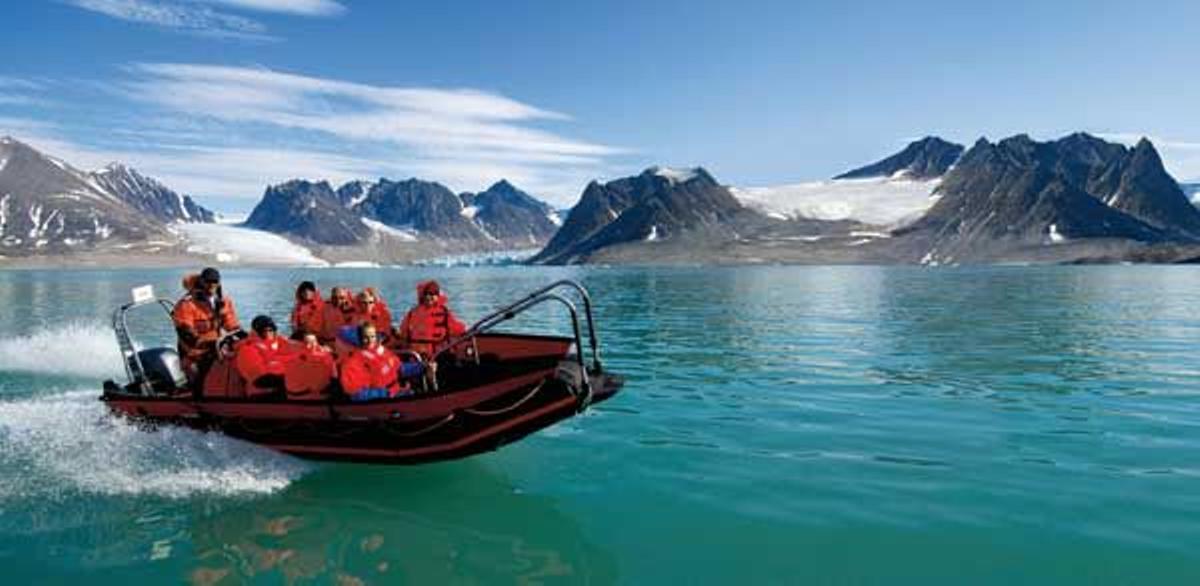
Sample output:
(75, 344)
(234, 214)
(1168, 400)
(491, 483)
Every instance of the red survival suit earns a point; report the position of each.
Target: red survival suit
(258, 357)
(309, 373)
(368, 369)
(378, 314)
(308, 316)
(427, 326)
(335, 317)
(199, 321)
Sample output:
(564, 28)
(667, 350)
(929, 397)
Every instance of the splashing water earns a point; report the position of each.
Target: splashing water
(69, 443)
(76, 349)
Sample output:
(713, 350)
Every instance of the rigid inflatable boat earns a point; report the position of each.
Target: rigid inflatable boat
(491, 389)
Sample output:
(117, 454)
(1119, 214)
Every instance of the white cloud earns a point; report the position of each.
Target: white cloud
(19, 83)
(466, 138)
(184, 17)
(197, 17)
(301, 7)
(227, 132)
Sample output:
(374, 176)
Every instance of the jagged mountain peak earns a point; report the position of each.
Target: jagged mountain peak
(48, 206)
(927, 158)
(658, 204)
(508, 214)
(309, 210)
(1017, 191)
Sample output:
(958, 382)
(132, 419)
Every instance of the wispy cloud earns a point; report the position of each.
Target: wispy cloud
(18, 91)
(19, 83)
(229, 131)
(300, 7)
(183, 17)
(465, 137)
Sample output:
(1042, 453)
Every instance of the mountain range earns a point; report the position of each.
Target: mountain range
(50, 207)
(1075, 199)
(414, 211)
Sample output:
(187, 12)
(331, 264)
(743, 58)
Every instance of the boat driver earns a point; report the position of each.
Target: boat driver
(201, 317)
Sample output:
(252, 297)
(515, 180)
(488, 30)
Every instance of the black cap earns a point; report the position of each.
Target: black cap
(210, 275)
(262, 323)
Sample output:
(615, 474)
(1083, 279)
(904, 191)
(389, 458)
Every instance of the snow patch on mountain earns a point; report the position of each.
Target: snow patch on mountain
(407, 235)
(676, 175)
(230, 243)
(880, 201)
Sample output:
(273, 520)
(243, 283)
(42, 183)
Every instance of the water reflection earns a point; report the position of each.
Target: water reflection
(458, 522)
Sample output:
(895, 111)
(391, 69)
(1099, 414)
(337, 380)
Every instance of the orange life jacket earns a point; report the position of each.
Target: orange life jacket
(375, 368)
(308, 316)
(257, 357)
(309, 374)
(200, 320)
(378, 315)
(333, 318)
(425, 327)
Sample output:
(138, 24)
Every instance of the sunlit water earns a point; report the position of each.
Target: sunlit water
(828, 425)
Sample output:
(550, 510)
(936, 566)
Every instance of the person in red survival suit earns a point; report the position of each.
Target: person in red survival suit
(430, 323)
(372, 308)
(263, 357)
(201, 316)
(309, 313)
(371, 371)
(340, 311)
(310, 372)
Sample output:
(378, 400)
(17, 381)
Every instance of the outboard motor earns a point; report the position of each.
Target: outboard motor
(162, 369)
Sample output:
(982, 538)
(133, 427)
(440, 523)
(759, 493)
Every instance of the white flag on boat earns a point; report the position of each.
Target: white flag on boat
(143, 294)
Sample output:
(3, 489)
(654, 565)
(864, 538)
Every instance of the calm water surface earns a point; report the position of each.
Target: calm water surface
(780, 425)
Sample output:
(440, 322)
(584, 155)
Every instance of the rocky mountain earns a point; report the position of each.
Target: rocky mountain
(150, 196)
(353, 193)
(410, 214)
(656, 205)
(1020, 192)
(49, 207)
(924, 159)
(427, 207)
(308, 211)
(511, 215)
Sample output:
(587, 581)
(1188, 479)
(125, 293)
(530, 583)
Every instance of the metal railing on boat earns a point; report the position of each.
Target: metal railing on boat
(543, 295)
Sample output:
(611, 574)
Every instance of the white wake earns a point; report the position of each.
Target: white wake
(74, 349)
(61, 445)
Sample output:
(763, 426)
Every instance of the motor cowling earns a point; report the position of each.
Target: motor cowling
(162, 369)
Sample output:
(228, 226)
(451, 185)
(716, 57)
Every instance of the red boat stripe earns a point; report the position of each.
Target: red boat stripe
(565, 401)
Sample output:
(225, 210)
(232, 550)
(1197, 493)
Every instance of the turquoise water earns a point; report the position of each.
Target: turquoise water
(780, 425)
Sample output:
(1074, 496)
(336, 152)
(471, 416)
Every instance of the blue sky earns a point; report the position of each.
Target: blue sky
(220, 97)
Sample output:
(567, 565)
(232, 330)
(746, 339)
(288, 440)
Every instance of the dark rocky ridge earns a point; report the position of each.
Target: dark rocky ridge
(927, 158)
(354, 192)
(426, 206)
(49, 207)
(657, 204)
(1019, 192)
(150, 196)
(511, 215)
(308, 211)
(501, 217)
